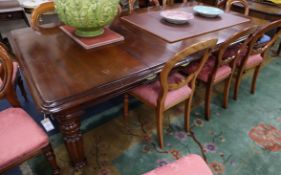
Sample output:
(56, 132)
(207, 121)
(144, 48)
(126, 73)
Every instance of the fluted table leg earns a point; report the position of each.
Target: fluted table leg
(70, 128)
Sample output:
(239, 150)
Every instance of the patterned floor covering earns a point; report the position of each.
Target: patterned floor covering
(244, 139)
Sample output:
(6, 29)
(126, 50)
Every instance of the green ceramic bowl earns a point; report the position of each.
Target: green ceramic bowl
(87, 16)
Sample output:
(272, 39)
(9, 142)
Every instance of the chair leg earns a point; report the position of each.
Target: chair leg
(188, 103)
(11, 96)
(279, 49)
(254, 80)
(49, 154)
(226, 91)
(208, 101)
(126, 108)
(21, 87)
(237, 84)
(159, 120)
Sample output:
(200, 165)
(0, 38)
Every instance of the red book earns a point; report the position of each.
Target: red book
(106, 38)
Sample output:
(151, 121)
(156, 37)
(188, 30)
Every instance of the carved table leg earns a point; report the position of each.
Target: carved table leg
(70, 128)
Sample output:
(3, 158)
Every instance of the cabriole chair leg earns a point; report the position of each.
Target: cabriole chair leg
(237, 84)
(226, 92)
(208, 95)
(159, 120)
(254, 80)
(188, 104)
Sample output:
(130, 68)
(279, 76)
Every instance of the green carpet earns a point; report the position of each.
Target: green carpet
(244, 139)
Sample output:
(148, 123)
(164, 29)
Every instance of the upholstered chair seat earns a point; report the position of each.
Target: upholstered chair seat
(220, 67)
(171, 87)
(188, 165)
(151, 92)
(252, 61)
(253, 54)
(221, 73)
(20, 137)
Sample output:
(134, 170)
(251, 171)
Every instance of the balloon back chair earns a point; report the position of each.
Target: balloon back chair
(265, 38)
(21, 137)
(170, 2)
(12, 77)
(39, 10)
(172, 88)
(132, 3)
(229, 4)
(253, 56)
(220, 67)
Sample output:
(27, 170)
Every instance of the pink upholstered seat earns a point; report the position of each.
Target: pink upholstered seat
(252, 61)
(188, 165)
(20, 136)
(222, 72)
(151, 92)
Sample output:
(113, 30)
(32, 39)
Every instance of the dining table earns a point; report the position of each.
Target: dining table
(64, 79)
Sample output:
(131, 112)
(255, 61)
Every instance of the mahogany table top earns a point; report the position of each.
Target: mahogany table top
(61, 75)
(153, 23)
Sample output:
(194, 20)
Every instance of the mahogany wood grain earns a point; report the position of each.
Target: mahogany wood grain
(153, 23)
(64, 78)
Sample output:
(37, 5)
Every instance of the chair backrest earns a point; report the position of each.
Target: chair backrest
(6, 72)
(254, 47)
(229, 3)
(237, 42)
(220, 3)
(170, 2)
(205, 46)
(38, 11)
(132, 3)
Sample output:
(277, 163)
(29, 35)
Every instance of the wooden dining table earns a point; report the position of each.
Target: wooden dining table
(64, 79)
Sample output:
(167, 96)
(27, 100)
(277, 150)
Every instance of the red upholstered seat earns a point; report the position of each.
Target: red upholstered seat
(151, 92)
(20, 136)
(222, 72)
(188, 165)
